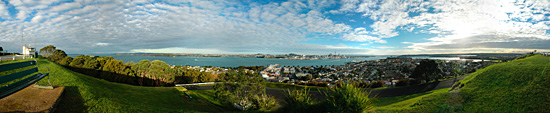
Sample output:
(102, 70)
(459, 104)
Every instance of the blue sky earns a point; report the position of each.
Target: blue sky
(370, 27)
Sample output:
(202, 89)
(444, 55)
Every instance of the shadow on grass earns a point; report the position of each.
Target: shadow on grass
(119, 78)
(71, 101)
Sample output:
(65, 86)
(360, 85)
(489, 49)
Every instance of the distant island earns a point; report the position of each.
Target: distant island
(485, 56)
(285, 56)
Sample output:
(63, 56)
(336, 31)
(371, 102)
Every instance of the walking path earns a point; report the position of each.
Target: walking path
(388, 92)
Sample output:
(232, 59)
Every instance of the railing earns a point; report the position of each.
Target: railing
(15, 57)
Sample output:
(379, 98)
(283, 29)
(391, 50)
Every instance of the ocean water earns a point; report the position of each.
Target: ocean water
(236, 61)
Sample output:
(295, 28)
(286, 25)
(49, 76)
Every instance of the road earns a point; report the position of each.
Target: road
(388, 92)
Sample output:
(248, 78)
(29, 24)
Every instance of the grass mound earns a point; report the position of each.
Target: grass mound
(522, 85)
(88, 94)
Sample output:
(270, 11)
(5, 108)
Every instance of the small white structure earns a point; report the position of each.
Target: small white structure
(28, 51)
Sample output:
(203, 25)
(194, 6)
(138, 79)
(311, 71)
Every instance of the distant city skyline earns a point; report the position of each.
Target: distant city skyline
(358, 27)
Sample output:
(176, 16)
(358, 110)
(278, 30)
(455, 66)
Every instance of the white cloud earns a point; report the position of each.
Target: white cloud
(215, 26)
(65, 6)
(37, 19)
(385, 47)
(102, 44)
(362, 35)
(455, 20)
(4, 13)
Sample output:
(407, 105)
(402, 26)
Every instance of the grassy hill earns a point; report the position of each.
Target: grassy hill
(518, 86)
(88, 94)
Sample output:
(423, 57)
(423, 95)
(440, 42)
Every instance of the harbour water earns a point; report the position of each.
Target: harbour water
(240, 61)
(236, 61)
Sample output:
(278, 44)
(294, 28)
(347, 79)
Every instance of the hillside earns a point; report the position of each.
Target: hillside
(516, 86)
(519, 86)
(87, 94)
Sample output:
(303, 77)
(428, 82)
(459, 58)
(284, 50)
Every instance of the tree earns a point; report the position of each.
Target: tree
(141, 70)
(158, 72)
(239, 88)
(427, 70)
(205, 77)
(57, 55)
(77, 62)
(91, 64)
(66, 61)
(47, 51)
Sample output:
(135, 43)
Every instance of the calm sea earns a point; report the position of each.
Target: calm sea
(236, 61)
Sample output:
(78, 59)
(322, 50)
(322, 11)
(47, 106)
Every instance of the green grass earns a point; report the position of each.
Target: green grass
(406, 102)
(87, 94)
(518, 86)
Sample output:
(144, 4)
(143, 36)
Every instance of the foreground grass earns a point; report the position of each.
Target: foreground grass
(87, 94)
(517, 86)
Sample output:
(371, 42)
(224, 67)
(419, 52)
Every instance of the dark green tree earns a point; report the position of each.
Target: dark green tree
(428, 70)
(91, 64)
(78, 61)
(57, 55)
(141, 70)
(47, 51)
(66, 61)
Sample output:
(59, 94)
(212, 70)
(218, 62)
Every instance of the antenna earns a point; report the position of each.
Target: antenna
(22, 39)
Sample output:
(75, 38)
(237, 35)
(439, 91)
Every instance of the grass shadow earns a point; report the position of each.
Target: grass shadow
(71, 101)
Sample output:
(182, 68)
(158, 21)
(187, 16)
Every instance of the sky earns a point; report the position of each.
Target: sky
(366, 27)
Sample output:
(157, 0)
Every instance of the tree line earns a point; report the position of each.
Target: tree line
(142, 73)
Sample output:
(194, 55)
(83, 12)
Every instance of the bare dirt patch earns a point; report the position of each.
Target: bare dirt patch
(31, 99)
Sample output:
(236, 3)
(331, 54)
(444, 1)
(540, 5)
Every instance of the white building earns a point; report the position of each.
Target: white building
(28, 50)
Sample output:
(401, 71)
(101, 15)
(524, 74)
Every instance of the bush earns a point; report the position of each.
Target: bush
(402, 82)
(348, 99)
(322, 84)
(362, 85)
(263, 102)
(414, 81)
(311, 84)
(376, 84)
(297, 100)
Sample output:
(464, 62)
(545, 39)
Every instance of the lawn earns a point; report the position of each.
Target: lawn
(87, 94)
(517, 86)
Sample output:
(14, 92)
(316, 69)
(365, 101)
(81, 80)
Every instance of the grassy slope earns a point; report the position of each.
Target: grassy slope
(88, 94)
(516, 86)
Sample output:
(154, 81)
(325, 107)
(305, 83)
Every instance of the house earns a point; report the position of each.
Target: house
(28, 51)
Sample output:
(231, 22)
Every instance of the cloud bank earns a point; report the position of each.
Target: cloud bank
(234, 27)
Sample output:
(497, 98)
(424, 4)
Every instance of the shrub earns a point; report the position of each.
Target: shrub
(364, 85)
(348, 99)
(297, 100)
(376, 84)
(311, 84)
(322, 84)
(263, 102)
(402, 82)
